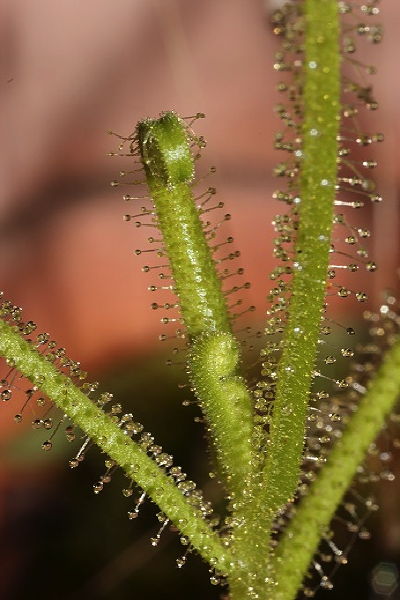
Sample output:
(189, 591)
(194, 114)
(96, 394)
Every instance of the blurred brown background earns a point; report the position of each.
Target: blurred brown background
(71, 71)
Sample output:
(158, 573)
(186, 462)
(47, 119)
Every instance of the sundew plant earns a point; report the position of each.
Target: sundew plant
(287, 446)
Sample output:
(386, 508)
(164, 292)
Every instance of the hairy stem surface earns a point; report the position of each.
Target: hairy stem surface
(316, 510)
(214, 364)
(164, 145)
(317, 195)
(112, 440)
(318, 173)
(166, 155)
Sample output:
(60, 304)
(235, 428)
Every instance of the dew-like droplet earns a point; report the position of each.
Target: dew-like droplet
(326, 583)
(98, 487)
(361, 296)
(326, 330)
(329, 360)
(69, 433)
(347, 352)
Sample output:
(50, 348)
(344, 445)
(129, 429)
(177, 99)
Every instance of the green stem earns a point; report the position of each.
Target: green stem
(317, 195)
(112, 440)
(312, 518)
(164, 146)
(214, 364)
(320, 126)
